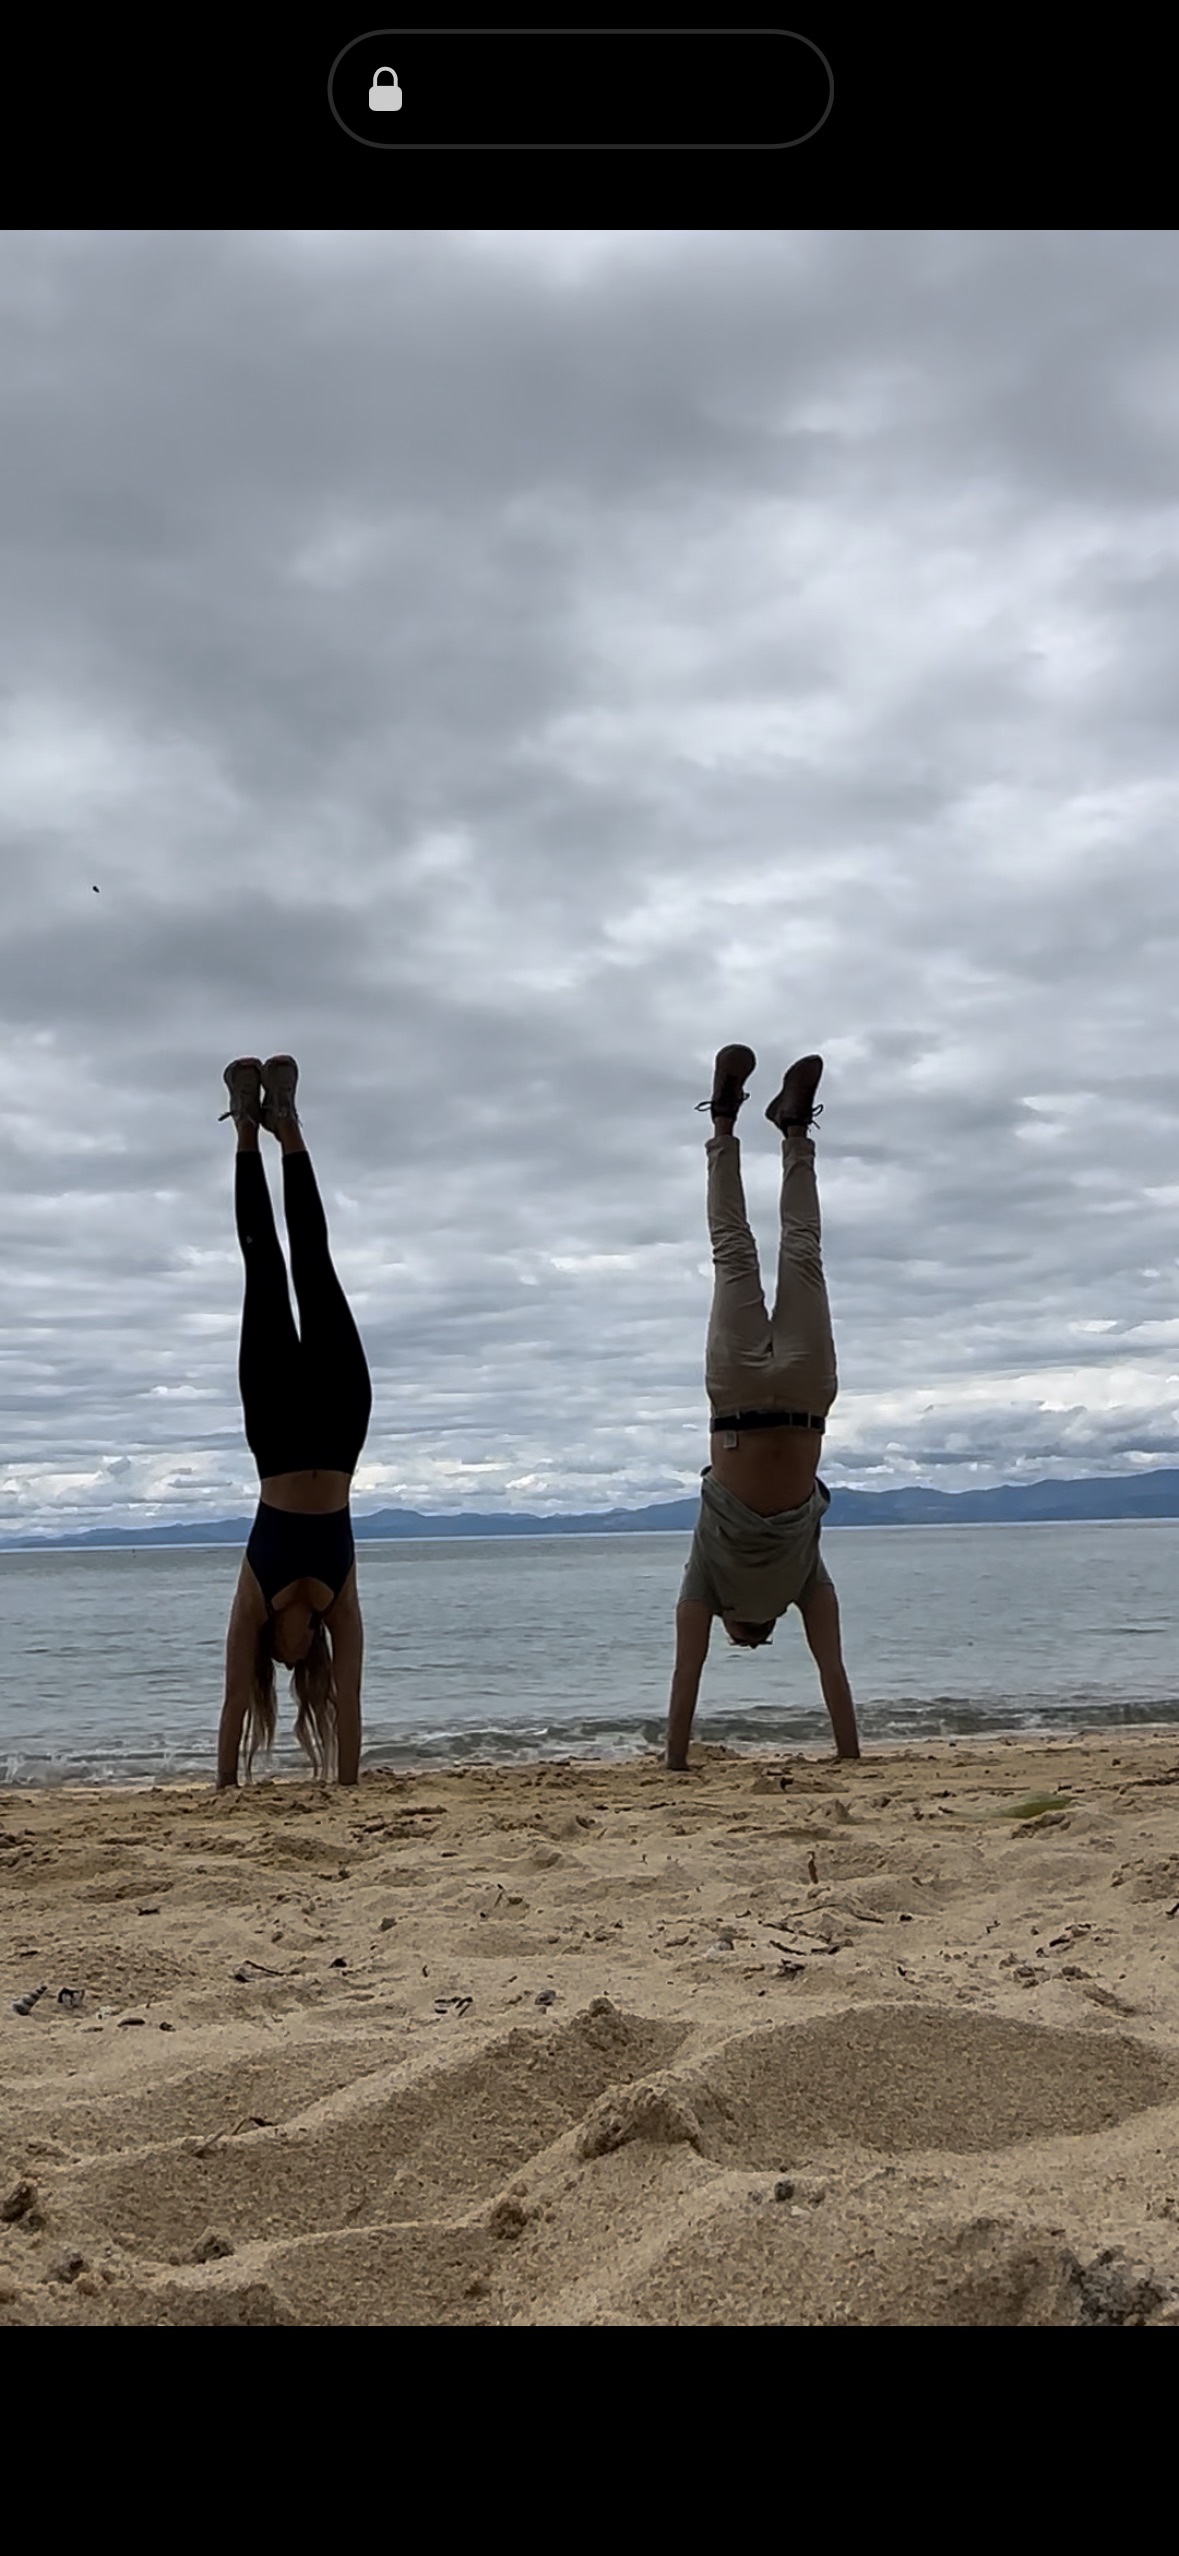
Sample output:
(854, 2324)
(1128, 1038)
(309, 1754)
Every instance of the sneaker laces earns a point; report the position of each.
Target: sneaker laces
(816, 1112)
(708, 1103)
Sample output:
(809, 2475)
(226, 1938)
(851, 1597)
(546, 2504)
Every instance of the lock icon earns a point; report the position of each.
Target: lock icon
(384, 101)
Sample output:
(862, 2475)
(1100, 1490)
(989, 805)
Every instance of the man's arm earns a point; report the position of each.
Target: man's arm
(820, 1616)
(348, 1667)
(693, 1632)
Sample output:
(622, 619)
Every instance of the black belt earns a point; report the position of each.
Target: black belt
(767, 1420)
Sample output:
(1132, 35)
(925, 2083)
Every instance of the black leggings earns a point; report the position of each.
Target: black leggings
(307, 1401)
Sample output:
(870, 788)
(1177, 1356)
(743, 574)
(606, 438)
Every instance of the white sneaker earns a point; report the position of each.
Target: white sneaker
(243, 1082)
(280, 1075)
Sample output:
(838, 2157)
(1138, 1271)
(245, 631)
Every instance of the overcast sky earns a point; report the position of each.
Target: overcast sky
(502, 667)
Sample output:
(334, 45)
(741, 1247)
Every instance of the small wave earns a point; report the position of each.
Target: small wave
(606, 1738)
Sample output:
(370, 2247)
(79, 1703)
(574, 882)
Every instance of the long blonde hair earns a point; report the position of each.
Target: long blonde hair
(313, 1684)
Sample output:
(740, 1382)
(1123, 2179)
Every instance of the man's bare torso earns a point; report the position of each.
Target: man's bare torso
(768, 1469)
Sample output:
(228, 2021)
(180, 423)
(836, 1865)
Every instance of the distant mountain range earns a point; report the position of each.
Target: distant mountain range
(1112, 1496)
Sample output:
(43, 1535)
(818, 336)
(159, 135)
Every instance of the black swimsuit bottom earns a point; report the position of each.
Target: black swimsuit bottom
(294, 1544)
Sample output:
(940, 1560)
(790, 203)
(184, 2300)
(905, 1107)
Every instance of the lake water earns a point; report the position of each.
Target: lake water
(559, 1646)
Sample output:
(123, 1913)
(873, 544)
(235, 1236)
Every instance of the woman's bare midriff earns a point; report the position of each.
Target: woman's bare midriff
(311, 1495)
(768, 1469)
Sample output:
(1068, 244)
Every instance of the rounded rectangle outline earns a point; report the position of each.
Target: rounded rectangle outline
(790, 33)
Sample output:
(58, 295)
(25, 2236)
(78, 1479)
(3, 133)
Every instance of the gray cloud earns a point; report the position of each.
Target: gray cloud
(502, 667)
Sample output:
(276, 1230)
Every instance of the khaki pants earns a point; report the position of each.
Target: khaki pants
(759, 1361)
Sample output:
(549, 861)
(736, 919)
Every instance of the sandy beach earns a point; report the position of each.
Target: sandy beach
(778, 2042)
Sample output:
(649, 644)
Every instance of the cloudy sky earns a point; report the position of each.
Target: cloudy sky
(502, 667)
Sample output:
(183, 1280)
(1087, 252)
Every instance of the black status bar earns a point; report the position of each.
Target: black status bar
(515, 89)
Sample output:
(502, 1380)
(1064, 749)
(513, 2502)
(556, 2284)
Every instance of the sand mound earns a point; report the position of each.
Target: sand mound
(383, 2152)
(768, 2271)
(892, 2079)
(199, 2104)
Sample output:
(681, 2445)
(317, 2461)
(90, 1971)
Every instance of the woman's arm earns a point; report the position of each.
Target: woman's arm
(240, 1648)
(247, 1613)
(348, 1668)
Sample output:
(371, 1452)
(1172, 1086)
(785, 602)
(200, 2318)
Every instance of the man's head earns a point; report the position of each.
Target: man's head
(748, 1637)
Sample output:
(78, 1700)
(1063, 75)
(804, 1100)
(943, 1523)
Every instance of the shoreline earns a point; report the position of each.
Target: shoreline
(430, 1770)
(548, 2043)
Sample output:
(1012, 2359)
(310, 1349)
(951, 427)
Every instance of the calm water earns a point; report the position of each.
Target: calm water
(111, 1662)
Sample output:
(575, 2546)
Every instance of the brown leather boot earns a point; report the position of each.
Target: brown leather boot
(731, 1072)
(794, 1105)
